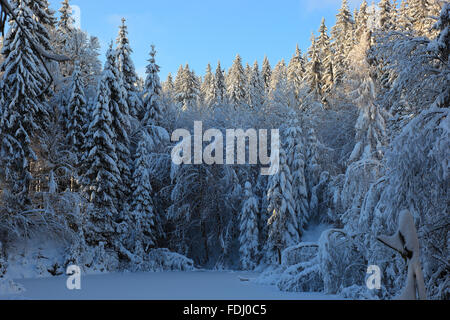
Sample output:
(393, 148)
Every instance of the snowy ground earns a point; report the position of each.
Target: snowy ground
(160, 286)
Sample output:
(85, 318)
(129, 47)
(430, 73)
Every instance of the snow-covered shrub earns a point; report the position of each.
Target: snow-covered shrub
(165, 260)
(103, 260)
(302, 277)
(358, 179)
(298, 254)
(341, 264)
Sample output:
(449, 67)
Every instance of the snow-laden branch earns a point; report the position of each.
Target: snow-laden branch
(406, 242)
(6, 8)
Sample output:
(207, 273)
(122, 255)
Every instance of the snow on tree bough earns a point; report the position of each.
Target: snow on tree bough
(5, 11)
(406, 242)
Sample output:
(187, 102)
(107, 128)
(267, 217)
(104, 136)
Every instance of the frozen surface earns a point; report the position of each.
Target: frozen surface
(160, 286)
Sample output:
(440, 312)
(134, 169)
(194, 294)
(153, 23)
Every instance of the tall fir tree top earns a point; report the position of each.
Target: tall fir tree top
(122, 38)
(266, 73)
(386, 15)
(128, 72)
(236, 82)
(361, 20)
(152, 91)
(66, 20)
(323, 39)
(344, 23)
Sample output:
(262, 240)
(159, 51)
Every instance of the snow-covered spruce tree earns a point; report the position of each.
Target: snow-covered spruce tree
(77, 123)
(142, 209)
(296, 73)
(66, 20)
(280, 94)
(387, 19)
(177, 82)
(342, 40)
(120, 125)
(364, 162)
(355, 15)
(362, 21)
(153, 108)
(65, 32)
(207, 88)
(420, 14)
(325, 58)
(247, 73)
(403, 19)
(283, 224)
(266, 74)
(370, 126)
(154, 121)
(102, 175)
(187, 88)
(220, 87)
(78, 117)
(168, 90)
(395, 13)
(127, 70)
(236, 83)
(156, 139)
(22, 110)
(314, 70)
(256, 91)
(295, 150)
(248, 230)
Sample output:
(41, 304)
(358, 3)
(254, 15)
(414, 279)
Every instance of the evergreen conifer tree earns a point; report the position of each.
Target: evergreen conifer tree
(248, 230)
(283, 224)
(23, 113)
(126, 68)
(220, 89)
(296, 72)
(153, 107)
(236, 83)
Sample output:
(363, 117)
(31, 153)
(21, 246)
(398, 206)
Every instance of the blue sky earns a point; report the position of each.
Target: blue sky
(198, 32)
